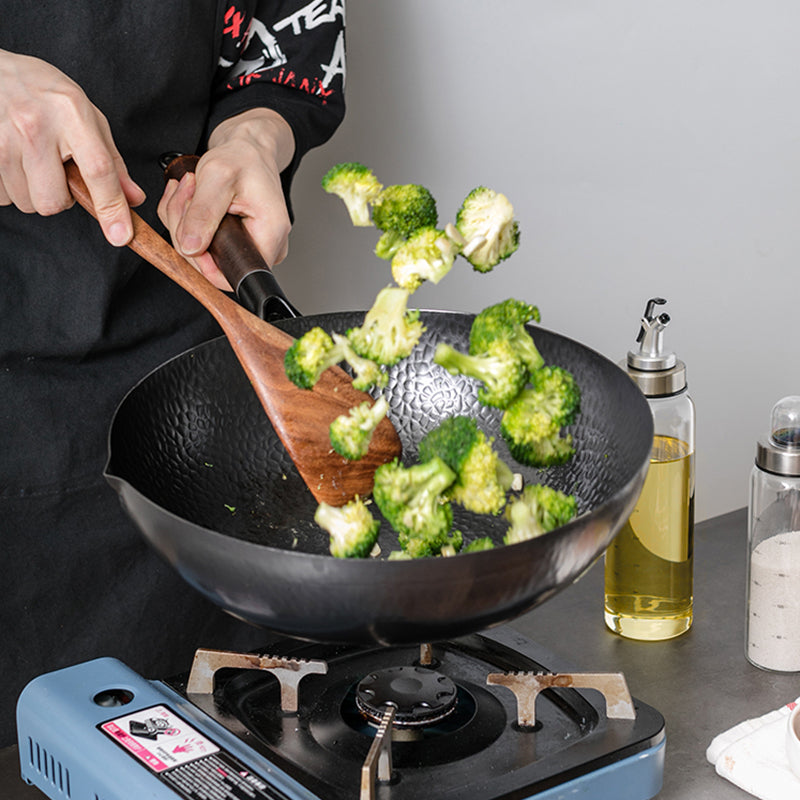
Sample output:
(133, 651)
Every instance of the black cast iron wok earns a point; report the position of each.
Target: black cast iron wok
(198, 467)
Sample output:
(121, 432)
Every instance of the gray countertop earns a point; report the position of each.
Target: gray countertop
(701, 682)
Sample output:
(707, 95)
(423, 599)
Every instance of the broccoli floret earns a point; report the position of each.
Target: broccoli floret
(548, 451)
(422, 547)
(390, 330)
(425, 545)
(404, 208)
(506, 320)
(525, 420)
(352, 528)
(308, 357)
(482, 477)
(412, 501)
(351, 433)
(316, 350)
(478, 545)
(388, 244)
(453, 546)
(428, 255)
(537, 510)
(501, 373)
(532, 422)
(357, 186)
(558, 393)
(486, 221)
(368, 373)
(506, 476)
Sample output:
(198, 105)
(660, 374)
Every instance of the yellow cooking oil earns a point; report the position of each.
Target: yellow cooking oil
(648, 566)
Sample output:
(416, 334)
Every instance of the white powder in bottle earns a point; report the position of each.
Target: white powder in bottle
(773, 630)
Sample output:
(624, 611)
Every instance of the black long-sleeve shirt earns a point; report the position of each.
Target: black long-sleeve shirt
(81, 321)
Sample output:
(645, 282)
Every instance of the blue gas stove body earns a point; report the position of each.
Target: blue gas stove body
(99, 731)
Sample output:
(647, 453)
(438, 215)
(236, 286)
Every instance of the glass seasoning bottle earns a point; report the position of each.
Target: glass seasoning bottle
(773, 533)
(649, 565)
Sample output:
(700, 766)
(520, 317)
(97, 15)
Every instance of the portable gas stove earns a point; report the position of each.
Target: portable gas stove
(477, 717)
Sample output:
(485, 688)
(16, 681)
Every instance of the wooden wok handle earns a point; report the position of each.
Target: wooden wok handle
(233, 249)
(236, 255)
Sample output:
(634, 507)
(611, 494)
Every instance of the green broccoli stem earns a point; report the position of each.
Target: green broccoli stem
(431, 479)
(458, 363)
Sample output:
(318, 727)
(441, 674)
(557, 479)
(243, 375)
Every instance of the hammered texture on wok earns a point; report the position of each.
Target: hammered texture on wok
(192, 437)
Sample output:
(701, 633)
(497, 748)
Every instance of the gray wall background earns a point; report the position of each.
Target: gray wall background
(649, 148)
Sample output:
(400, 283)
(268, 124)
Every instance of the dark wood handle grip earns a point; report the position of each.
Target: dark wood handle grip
(233, 250)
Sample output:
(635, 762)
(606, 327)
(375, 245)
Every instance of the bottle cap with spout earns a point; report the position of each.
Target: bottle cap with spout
(656, 372)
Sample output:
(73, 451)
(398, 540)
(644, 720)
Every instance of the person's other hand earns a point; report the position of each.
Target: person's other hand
(46, 119)
(239, 174)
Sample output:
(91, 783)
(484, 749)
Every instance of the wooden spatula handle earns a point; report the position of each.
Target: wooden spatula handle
(156, 250)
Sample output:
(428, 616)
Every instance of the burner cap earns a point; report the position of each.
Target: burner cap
(420, 696)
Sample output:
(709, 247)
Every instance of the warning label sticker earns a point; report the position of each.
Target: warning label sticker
(219, 777)
(159, 738)
(184, 759)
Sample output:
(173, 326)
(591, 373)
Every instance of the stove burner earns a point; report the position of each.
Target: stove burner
(419, 696)
(477, 751)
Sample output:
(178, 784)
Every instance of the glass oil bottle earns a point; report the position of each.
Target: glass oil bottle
(649, 565)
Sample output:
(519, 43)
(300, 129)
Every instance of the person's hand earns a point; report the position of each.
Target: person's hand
(46, 119)
(239, 174)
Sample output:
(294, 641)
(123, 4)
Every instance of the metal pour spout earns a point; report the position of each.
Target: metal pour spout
(651, 357)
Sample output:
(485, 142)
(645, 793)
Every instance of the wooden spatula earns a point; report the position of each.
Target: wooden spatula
(300, 417)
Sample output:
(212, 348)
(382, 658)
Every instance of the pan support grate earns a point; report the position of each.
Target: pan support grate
(288, 671)
(527, 686)
(377, 767)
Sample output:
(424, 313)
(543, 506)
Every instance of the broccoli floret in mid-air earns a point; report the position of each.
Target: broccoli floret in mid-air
(501, 373)
(316, 350)
(428, 255)
(357, 187)
(486, 221)
(390, 330)
(413, 501)
(537, 510)
(351, 433)
(404, 208)
(507, 320)
(352, 528)
(388, 244)
(482, 478)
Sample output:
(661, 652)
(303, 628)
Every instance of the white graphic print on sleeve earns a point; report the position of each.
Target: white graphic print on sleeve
(259, 53)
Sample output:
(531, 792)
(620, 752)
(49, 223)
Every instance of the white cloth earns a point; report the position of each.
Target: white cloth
(752, 755)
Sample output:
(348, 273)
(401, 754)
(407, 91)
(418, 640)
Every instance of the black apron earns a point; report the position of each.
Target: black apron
(81, 322)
